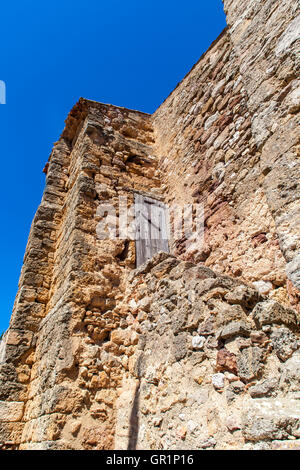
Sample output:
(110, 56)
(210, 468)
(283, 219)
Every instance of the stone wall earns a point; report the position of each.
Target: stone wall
(216, 365)
(55, 363)
(77, 368)
(214, 136)
(266, 38)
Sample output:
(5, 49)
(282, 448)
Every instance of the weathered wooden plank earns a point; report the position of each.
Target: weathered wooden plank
(151, 228)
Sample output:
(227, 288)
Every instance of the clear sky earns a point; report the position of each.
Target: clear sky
(129, 53)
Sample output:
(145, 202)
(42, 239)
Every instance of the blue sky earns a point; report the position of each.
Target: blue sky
(129, 53)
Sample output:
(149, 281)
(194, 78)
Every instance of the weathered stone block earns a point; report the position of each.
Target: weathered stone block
(263, 388)
(11, 411)
(284, 342)
(270, 311)
(235, 329)
(270, 419)
(250, 363)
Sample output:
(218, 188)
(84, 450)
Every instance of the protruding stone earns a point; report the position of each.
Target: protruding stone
(218, 380)
(270, 311)
(198, 342)
(235, 329)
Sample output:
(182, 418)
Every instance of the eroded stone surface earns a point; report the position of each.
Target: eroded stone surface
(229, 391)
(196, 350)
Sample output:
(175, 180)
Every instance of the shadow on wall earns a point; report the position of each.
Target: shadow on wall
(134, 420)
(134, 415)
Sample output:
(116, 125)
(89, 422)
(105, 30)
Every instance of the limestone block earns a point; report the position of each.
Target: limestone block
(271, 419)
(270, 311)
(11, 411)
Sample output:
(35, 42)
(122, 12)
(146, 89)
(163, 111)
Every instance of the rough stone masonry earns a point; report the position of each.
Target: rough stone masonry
(199, 348)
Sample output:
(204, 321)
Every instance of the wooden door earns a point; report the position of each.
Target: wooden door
(151, 228)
